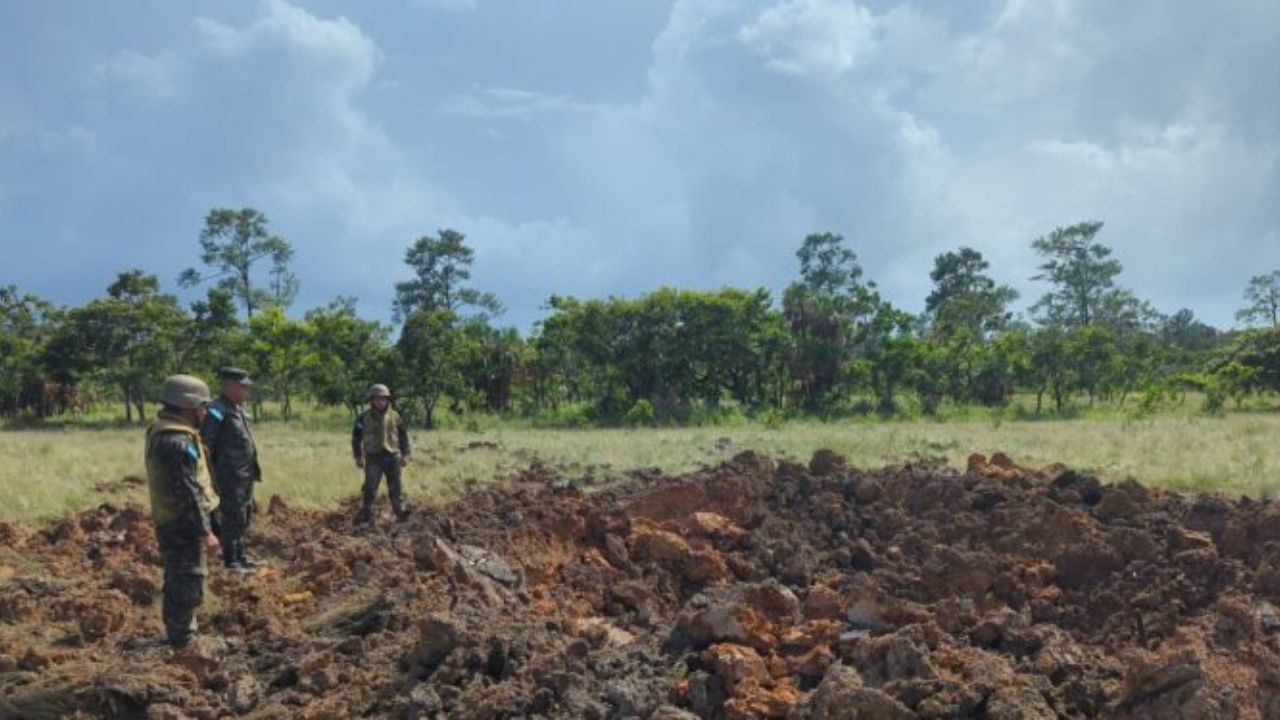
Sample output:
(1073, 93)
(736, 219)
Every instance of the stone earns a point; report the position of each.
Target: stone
(652, 543)
(735, 665)
(438, 635)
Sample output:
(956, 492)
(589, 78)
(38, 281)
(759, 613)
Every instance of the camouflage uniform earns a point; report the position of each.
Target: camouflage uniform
(381, 440)
(234, 457)
(182, 500)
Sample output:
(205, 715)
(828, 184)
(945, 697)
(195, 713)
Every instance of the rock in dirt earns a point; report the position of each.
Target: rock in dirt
(438, 635)
(1170, 686)
(841, 696)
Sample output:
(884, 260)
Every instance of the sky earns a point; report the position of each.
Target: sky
(594, 148)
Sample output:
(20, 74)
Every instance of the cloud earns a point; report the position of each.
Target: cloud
(911, 137)
(910, 128)
(265, 114)
(504, 103)
(804, 37)
(455, 6)
(143, 76)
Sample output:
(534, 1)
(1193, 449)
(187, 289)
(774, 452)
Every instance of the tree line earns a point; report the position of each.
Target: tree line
(832, 345)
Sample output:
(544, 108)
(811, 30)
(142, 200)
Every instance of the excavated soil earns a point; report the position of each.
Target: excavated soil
(755, 589)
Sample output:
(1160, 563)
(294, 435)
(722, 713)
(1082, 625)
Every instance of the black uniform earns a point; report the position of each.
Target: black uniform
(234, 457)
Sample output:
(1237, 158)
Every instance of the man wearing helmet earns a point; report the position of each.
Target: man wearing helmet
(182, 501)
(380, 443)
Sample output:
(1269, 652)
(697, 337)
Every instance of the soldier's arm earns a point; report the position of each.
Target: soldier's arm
(357, 438)
(210, 429)
(403, 438)
(180, 454)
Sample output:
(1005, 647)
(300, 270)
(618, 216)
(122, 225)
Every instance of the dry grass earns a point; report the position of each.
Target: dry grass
(46, 473)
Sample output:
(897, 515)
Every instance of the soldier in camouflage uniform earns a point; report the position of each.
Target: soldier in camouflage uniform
(234, 457)
(380, 443)
(182, 501)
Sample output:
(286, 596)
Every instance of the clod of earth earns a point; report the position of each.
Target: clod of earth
(754, 589)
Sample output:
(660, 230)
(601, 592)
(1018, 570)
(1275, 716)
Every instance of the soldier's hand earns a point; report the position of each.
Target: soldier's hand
(360, 463)
(211, 542)
(404, 461)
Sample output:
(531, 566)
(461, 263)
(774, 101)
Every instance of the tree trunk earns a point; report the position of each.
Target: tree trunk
(248, 296)
(430, 408)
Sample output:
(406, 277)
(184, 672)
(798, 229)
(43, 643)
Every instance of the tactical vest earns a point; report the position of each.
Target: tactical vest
(165, 507)
(381, 432)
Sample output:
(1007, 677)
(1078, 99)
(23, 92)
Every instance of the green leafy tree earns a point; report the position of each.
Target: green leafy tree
(1182, 330)
(1004, 364)
(1094, 361)
(827, 266)
(350, 354)
(1248, 363)
(128, 340)
(1263, 298)
(432, 352)
(215, 337)
(891, 354)
(283, 355)
(1047, 366)
(26, 326)
(825, 310)
(1185, 345)
(1082, 273)
(965, 309)
(441, 266)
(232, 243)
(493, 363)
(965, 297)
(734, 343)
(676, 350)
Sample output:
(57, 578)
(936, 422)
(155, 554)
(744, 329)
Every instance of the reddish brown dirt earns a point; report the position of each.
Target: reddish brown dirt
(757, 589)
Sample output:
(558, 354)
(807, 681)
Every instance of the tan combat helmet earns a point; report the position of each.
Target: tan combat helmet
(184, 391)
(379, 390)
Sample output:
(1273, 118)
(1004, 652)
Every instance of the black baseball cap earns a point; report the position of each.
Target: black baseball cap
(235, 375)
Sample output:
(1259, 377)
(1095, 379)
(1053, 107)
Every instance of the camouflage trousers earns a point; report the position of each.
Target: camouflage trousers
(235, 511)
(184, 572)
(375, 466)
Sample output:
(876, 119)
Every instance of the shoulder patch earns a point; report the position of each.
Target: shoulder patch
(216, 413)
(192, 451)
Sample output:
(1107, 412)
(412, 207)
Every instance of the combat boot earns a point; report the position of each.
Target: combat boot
(230, 555)
(245, 561)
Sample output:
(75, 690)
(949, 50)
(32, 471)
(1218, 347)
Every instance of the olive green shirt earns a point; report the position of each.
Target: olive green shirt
(178, 480)
(379, 433)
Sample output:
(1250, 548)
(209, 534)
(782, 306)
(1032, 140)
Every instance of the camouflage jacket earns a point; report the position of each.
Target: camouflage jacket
(182, 495)
(232, 451)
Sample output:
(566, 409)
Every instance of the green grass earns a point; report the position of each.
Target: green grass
(49, 472)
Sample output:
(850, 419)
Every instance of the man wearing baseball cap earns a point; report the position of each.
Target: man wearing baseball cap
(234, 457)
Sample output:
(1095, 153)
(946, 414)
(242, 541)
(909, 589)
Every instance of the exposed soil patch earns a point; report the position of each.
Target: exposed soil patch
(756, 589)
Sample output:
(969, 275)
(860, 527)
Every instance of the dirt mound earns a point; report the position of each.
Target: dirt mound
(756, 589)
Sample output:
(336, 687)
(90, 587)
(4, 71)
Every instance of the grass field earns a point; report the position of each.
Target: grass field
(49, 472)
